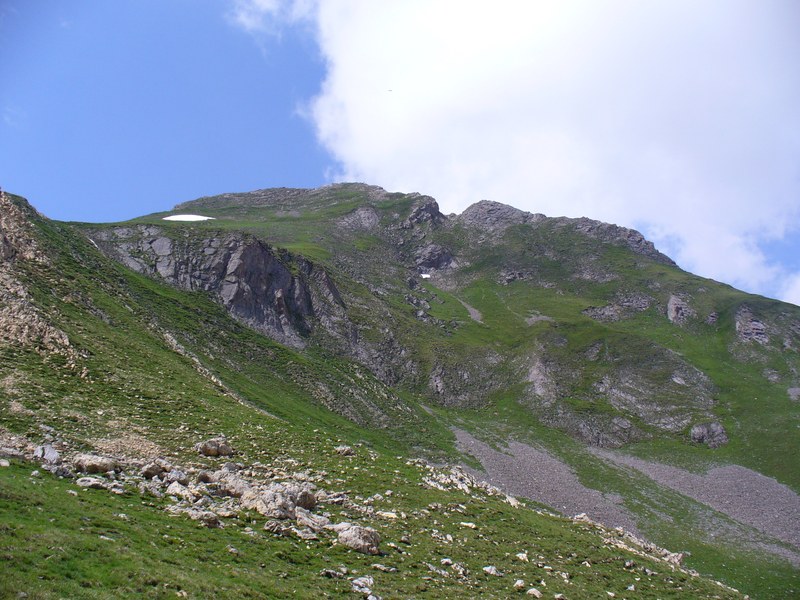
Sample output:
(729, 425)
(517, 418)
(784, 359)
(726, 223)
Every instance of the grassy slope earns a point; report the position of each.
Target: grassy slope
(177, 406)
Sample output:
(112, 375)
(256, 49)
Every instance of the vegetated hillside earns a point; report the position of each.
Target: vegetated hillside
(300, 324)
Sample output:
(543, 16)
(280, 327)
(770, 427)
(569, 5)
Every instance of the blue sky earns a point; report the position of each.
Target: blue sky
(115, 109)
(678, 118)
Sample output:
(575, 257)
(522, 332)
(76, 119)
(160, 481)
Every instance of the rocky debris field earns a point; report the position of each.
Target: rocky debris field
(302, 505)
(739, 493)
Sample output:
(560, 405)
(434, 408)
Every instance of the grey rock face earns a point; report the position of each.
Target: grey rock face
(433, 256)
(276, 293)
(749, 328)
(711, 434)
(625, 306)
(678, 310)
(364, 217)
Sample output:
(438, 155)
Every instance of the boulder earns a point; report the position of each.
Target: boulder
(217, 446)
(229, 483)
(269, 503)
(151, 470)
(180, 491)
(360, 539)
(47, 454)
(94, 463)
(308, 519)
(711, 434)
(175, 475)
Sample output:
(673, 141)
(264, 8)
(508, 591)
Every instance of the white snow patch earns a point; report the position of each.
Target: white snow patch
(425, 275)
(187, 218)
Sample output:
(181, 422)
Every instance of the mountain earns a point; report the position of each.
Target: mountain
(334, 337)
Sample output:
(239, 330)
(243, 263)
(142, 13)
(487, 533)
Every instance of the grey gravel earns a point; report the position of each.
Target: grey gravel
(742, 494)
(536, 474)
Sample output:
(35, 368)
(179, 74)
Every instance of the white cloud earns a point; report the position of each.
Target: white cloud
(790, 292)
(677, 117)
(265, 16)
(255, 15)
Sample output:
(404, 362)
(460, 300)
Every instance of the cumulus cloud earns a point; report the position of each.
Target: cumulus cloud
(679, 118)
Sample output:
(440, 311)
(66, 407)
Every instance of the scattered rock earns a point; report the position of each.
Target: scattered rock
(344, 450)
(93, 483)
(331, 574)
(205, 517)
(277, 527)
(360, 539)
(363, 585)
(534, 592)
(492, 570)
(519, 584)
(217, 446)
(711, 434)
(4, 463)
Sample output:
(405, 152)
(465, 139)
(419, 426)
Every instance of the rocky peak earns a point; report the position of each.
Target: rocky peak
(495, 217)
(424, 210)
(290, 199)
(619, 236)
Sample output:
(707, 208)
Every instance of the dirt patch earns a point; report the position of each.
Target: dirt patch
(536, 474)
(474, 313)
(17, 408)
(129, 445)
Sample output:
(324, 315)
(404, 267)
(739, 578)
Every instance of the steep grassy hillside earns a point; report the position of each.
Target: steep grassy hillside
(345, 343)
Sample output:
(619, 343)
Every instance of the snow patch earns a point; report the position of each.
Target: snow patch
(187, 218)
